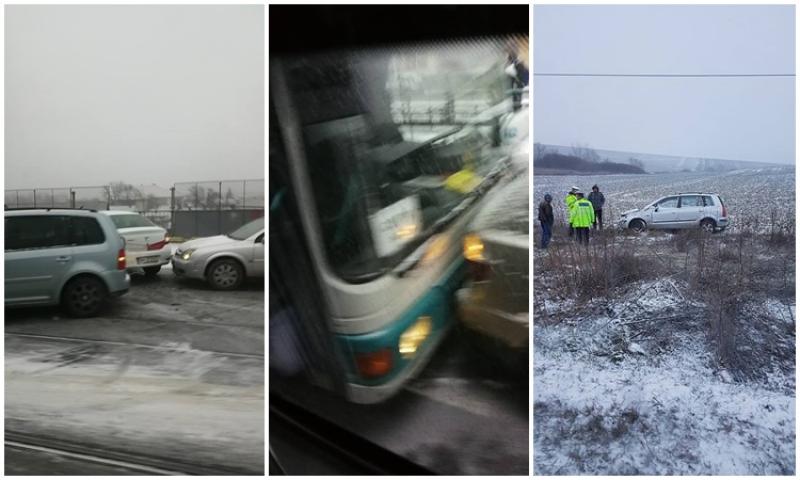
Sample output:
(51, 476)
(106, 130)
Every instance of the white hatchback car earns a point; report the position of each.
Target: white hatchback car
(680, 211)
(146, 244)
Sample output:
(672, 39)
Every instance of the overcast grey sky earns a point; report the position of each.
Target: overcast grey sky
(142, 94)
(731, 118)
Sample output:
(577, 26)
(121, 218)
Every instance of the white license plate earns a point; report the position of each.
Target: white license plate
(147, 260)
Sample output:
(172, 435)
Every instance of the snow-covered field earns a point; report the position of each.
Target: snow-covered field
(631, 381)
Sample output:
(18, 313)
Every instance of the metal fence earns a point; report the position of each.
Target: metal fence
(187, 209)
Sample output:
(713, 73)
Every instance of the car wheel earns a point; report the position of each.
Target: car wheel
(225, 274)
(84, 297)
(637, 226)
(152, 271)
(708, 225)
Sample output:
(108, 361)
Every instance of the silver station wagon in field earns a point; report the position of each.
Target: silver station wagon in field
(69, 257)
(224, 261)
(680, 211)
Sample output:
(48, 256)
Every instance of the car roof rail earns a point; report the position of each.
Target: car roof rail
(49, 208)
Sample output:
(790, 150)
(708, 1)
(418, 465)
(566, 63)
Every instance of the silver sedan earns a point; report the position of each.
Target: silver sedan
(224, 261)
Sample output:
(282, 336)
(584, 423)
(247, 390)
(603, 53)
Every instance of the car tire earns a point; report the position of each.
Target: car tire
(152, 271)
(84, 297)
(637, 226)
(225, 274)
(708, 225)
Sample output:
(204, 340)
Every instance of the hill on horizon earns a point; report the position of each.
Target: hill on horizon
(655, 163)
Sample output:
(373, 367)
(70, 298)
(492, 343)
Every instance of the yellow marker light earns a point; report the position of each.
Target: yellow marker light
(473, 248)
(416, 334)
(406, 232)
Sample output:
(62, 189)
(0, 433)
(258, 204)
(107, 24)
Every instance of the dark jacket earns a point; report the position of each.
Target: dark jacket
(597, 199)
(546, 212)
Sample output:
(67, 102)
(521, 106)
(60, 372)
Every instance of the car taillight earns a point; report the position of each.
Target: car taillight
(121, 259)
(479, 268)
(158, 245)
(724, 211)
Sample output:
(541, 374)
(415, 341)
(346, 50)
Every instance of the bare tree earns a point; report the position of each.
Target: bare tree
(584, 152)
(636, 162)
(539, 151)
(121, 193)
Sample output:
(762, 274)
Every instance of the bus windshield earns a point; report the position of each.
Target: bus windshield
(395, 141)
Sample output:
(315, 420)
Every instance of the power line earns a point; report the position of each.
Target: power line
(665, 75)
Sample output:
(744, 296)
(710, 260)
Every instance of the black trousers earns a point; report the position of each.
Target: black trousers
(598, 219)
(582, 234)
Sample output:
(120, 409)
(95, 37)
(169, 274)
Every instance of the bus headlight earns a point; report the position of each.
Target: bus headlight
(414, 336)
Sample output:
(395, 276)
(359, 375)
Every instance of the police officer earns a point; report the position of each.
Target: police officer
(569, 200)
(582, 217)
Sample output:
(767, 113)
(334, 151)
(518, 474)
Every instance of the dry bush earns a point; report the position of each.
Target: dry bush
(610, 261)
(725, 271)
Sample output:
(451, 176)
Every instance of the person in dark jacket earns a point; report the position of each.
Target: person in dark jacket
(546, 219)
(598, 200)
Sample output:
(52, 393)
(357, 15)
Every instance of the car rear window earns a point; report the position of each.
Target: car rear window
(691, 201)
(23, 233)
(131, 221)
(86, 231)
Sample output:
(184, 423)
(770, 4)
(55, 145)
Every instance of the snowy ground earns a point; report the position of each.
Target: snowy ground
(606, 403)
(630, 382)
(171, 370)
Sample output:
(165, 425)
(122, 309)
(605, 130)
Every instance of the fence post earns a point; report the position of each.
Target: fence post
(72, 198)
(34, 198)
(108, 197)
(172, 209)
(196, 204)
(219, 209)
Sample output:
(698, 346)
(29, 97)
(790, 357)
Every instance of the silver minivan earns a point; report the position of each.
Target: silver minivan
(69, 257)
(683, 210)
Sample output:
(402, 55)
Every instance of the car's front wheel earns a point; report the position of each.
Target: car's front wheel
(84, 297)
(225, 274)
(637, 226)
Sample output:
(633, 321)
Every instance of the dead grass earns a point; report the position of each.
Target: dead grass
(724, 271)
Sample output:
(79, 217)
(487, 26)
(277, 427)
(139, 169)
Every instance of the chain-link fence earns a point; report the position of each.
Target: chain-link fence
(187, 209)
(209, 208)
